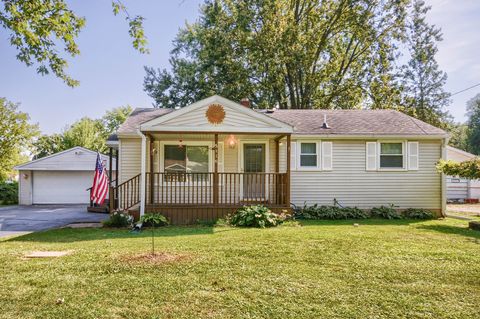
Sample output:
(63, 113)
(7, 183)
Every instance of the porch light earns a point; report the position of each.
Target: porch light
(231, 141)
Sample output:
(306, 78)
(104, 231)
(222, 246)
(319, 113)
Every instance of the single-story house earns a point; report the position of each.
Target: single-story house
(461, 189)
(204, 160)
(61, 178)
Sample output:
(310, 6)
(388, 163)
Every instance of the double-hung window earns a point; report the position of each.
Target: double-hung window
(392, 155)
(179, 160)
(308, 155)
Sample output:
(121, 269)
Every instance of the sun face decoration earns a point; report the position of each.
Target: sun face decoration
(215, 114)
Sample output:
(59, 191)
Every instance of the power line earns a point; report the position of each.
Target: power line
(478, 84)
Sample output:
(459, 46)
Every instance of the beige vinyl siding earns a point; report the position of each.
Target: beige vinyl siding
(352, 185)
(233, 118)
(25, 187)
(348, 181)
(130, 158)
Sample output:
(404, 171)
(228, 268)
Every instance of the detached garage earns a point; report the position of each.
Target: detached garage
(61, 178)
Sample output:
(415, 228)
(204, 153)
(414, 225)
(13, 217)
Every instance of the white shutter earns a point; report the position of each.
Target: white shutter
(412, 156)
(371, 156)
(293, 155)
(221, 157)
(327, 156)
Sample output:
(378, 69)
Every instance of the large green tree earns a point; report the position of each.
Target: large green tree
(16, 134)
(473, 131)
(291, 53)
(459, 136)
(423, 82)
(86, 132)
(41, 29)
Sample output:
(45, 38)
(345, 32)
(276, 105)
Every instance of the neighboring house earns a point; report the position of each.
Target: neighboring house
(61, 178)
(227, 155)
(460, 189)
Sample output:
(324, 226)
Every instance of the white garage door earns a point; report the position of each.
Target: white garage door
(61, 187)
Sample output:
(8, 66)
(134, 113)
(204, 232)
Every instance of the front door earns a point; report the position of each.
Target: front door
(254, 162)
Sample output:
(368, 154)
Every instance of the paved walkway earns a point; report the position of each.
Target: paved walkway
(16, 220)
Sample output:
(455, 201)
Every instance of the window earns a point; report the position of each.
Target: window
(186, 159)
(308, 155)
(391, 155)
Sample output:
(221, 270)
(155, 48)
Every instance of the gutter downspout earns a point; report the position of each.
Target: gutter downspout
(143, 172)
(444, 179)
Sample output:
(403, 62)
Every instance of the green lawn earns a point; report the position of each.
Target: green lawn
(382, 269)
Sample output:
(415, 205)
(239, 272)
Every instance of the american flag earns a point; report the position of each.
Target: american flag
(100, 183)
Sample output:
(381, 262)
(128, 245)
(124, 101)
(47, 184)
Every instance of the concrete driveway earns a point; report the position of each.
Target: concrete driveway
(23, 219)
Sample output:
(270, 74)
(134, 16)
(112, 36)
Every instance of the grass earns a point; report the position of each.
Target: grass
(323, 269)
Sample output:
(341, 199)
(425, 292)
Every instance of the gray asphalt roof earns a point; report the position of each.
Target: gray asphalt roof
(341, 122)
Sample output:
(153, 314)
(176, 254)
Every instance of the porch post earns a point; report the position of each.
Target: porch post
(215, 172)
(110, 156)
(287, 182)
(117, 176)
(150, 137)
(277, 155)
(143, 161)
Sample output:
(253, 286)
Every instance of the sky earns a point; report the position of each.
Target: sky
(111, 72)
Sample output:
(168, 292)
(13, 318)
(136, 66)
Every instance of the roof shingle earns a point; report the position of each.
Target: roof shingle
(355, 122)
(305, 122)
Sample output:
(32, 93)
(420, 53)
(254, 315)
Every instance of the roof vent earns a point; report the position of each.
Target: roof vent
(325, 124)
(78, 152)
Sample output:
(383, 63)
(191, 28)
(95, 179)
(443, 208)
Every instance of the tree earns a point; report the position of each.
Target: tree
(459, 136)
(468, 169)
(16, 134)
(40, 29)
(291, 53)
(47, 145)
(424, 96)
(112, 120)
(473, 133)
(86, 132)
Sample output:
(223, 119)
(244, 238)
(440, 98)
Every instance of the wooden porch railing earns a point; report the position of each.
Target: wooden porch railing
(126, 195)
(232, 189)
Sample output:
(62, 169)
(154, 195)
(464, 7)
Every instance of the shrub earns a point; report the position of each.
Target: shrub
(386, 212)
(154, 219)
(418, 213)
(119, 219)
(330, 212)
(355, 213)
(9, 193)
(256, 216)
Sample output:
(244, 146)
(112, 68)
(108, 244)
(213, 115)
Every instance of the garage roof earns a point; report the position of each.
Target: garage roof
(74, 159)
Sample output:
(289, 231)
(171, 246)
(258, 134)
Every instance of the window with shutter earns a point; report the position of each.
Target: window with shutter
(391, 155)
(309, 155)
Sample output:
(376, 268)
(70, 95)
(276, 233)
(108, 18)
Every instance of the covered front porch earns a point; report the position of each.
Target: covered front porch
(192, 177)
(206, 160)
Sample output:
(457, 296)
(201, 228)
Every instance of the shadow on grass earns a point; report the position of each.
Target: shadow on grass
(68, 235)
(455, 230)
